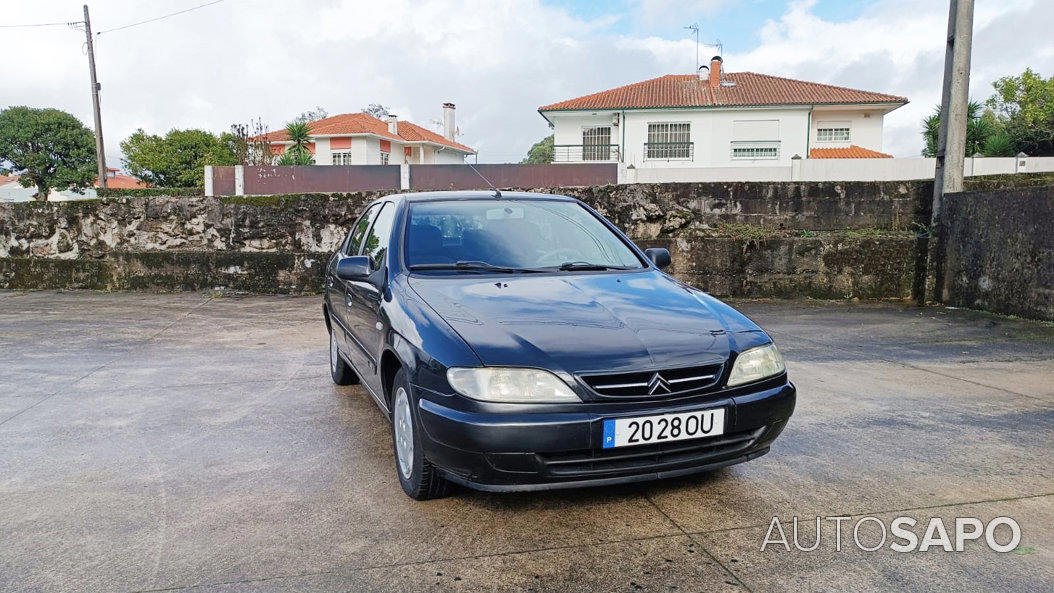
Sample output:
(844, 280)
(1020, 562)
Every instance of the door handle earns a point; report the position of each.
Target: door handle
(348, 299)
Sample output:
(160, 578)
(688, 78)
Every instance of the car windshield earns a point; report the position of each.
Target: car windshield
(512, 235)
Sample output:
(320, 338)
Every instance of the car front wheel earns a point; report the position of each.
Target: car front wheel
(419, 478)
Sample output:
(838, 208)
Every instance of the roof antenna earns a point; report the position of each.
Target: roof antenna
(497, 192)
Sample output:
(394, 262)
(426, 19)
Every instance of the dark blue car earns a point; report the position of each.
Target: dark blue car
(520, 341)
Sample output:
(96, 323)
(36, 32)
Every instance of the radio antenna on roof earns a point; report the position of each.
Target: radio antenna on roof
(497, 192)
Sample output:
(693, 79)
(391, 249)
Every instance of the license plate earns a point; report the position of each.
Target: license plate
(624, 432)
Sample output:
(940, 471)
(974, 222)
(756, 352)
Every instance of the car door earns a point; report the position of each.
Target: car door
(337, 289)
(365, 296)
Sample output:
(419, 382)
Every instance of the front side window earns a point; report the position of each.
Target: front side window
(512, 233)
(596, 143)
(668, 141)
(376, 243)
(833, 134)
(354, 240)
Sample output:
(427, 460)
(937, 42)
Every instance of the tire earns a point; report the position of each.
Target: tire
(418, 477)
(339, 369)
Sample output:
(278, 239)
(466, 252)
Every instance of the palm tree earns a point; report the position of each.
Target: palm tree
(299, 134)
(980, 127)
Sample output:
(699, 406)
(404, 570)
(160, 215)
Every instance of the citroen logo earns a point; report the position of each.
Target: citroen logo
(658, 385)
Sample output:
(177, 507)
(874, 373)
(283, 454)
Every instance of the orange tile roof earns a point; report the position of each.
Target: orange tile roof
(851, 152)
(687, 90)
(362, 123)
(120, 181)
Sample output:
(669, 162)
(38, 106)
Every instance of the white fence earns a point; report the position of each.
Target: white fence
(837, 170)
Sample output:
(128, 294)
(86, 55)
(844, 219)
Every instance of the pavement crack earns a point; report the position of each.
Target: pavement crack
(699, 543)
(887, 511)
(916, 367)
(101, 366)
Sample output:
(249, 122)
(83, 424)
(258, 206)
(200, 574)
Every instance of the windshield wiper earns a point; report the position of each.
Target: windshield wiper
(478, 266)
(586, 266)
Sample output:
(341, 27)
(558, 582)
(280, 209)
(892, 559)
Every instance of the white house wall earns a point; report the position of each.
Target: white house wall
(323, 155)
(711, 131)
(865, 127)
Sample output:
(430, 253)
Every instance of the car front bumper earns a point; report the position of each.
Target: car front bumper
(540, 451)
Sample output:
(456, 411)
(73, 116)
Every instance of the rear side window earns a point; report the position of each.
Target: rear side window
(376, 243)
(354, 240)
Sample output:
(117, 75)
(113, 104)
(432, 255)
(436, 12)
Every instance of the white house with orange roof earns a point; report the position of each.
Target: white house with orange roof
(719, 119)
(361, 139)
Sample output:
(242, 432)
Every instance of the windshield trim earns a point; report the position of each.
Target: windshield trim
(645, 263)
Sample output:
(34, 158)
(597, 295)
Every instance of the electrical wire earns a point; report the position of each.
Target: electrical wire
(164, 16)
(38, 25)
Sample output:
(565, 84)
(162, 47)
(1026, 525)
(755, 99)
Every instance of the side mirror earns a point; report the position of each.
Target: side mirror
(659, 256)
(355, 267)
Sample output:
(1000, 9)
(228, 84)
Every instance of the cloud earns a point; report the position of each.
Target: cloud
(497, 60)
(897, 47)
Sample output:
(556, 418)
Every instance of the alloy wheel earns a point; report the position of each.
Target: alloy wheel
(404, 434)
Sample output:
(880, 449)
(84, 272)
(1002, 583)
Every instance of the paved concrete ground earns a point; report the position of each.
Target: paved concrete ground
(175, 442)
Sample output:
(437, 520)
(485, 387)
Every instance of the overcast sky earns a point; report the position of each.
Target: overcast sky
(497, 60)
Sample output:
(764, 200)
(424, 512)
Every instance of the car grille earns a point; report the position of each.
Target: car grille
(656, 457)
(655, 384)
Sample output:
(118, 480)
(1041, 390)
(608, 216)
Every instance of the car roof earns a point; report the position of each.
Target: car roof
(432, 196)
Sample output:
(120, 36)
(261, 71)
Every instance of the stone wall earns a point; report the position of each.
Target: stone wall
(999, 251)
(825, 240)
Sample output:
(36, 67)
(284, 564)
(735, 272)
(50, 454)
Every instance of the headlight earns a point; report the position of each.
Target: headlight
(510, 385)
(756, 363)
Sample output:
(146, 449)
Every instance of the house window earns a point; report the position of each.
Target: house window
(668, 141)
(596, 144)
(342, 157)
(384, 157)
(755, 150)
(838, 133)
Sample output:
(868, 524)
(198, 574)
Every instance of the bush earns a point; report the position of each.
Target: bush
(146, 192)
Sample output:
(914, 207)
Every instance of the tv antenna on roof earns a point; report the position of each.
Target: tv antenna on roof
(695, 28)
(497, 192)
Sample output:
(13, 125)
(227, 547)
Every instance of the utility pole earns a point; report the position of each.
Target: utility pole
(951, 139)
(99, 149)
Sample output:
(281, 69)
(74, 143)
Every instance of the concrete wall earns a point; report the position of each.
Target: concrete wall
(823, 240)
(836, 170)
(746, 239)
(999, 251)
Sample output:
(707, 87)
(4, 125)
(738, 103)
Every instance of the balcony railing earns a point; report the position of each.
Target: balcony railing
(576, 153)
(669, 151)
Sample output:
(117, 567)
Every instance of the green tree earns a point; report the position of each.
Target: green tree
(176, 159)
(981, 125)
(541, 152)
(299, 134)
(48, 148)
(1026, 104)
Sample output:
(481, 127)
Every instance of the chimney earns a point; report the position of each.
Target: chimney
(715, 71)
(393, 124)
(448, 121)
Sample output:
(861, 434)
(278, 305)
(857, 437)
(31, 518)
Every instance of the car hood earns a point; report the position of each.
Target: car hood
(584, 322)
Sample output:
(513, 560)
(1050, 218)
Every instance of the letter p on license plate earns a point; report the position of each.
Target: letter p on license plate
(624, 432)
